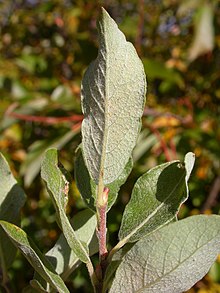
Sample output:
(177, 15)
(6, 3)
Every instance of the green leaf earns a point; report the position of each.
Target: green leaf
(63, 259)
(12, 199)
(58, 188)
(87, 186)
(204, 32)
(112, 105)
(31, 167)
(172, 259)
(155, 200)
(189, 164)
(113, 265)
(34, 256)
(156, 69)
(146, 140)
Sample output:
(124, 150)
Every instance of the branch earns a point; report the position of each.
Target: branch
(212, 197)
(186, 121)
(44, 119)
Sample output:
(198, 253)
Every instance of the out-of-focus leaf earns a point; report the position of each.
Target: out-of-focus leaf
(31, 166)
(204, 32)
(112, 105)
(187, 5)
(172, 259)
(29, 289)
(38, 261)
(61, 93)
(58, 188)
(12, 199)
(165, 122)
(32, 63)
(155, 200)
(144, 143)
(156, 69)
(214, 272)
(88, 188)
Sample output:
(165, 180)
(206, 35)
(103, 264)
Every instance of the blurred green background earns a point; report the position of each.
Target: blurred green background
(45, 48)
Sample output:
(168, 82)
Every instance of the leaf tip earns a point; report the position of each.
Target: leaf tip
(189, 163)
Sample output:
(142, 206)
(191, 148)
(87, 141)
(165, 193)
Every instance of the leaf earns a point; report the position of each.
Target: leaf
(204, 32)
(12, 199)
(87, 186)
(155, 200)
(113, 265)
(172, 259)
(58, 188)
(34, 256)
(188, 5)
(112, 105)
(84, 224)
(189, 163)
(144, 143)
(158, 70)
(31, 166)
(63, 259)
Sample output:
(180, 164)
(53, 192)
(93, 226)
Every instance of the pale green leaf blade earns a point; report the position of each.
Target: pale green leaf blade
(58, 186)
(204, 35)
(113, 265)
(189, 164)
(31, 166)
(63, 259)
(155, 200)
(113, 97)
(84, 225)
(12, 199)
(87, 186)
(38, 261)
(172, 259)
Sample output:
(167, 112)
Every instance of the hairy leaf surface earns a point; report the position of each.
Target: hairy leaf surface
(172, 259)
(63, 259)
(34, 256)
(113, 97)
(12, 199)
(58, 187)
(155, 199)
(88, 188)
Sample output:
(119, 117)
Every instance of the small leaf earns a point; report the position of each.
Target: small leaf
(34, 256)
(155, 200)
(12, 199)
(87, 186)
(58, 186)
(172, 259)
(112, 105)
(63, 259)
(189, 163)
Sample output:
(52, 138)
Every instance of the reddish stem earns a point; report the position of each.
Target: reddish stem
(46, 120)
(102, 234)
(102, 226)
(162, 143)
(173, 149)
